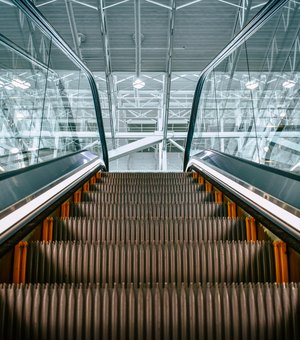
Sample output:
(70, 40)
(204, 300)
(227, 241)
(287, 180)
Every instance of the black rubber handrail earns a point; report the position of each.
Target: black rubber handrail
(35, 15)
(264, 15)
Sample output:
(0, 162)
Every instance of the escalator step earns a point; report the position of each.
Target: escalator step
(178, 175)
(145, 198)
(141, 211)
(149, 182)
(210, 229)
(236, 311)
(151, 188)
(150, 263)
(151, 177)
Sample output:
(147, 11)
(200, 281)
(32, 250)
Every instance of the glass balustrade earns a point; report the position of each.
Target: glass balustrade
(250, 102)
(47, 107)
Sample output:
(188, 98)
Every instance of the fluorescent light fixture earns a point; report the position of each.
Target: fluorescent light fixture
(24, 85)
(19, 115)
(14, 150)
(288, 84)
(251, 85)
(8, 87)
(1, 83)
(138, 84)
(282, 114)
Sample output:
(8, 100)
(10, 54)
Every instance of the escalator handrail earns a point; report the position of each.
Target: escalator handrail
(30, 192)
(264, 15)
(251, 185)
(34, 14)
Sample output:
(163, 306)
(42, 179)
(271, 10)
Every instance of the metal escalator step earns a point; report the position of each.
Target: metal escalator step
(150, 263)
(114, 231)
(148, 210)
(158, 198)
(247, 311)
(171, 190)
(148, 175)
(148, 182)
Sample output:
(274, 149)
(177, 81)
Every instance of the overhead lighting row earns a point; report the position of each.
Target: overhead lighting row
(253, 84)
(288, 84)
(24, 85)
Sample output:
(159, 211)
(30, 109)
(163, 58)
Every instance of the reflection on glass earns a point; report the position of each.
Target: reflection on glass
(249, 106)
(46, 105)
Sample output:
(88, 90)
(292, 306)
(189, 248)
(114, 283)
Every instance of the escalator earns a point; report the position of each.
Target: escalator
(210, 253)
(150, 256)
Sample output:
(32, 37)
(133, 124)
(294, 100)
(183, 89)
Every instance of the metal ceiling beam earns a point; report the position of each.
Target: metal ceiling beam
(178, 146)
(6, 2)
(73, 27)
(138, 145)
(168, 78)
(137, 25)
(150, 108)
(108, 69)
(45, 3)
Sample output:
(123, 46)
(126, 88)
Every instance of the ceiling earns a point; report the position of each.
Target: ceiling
(200, 30)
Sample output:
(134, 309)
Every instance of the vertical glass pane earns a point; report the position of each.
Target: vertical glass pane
(250, 101)
(22, 87)
(69, 122)
(46, 104)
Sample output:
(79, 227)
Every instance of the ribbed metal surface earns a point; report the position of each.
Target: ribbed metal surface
(142, 211)
(145, 198)
(148, 180)
(156, 175)
(237, 311)
(151, 230)
(150, 263)
(159, 263)
(171, 189)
